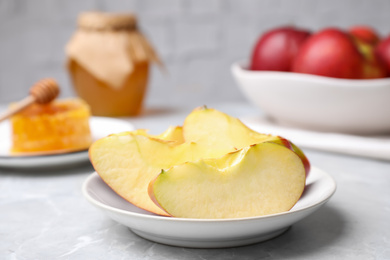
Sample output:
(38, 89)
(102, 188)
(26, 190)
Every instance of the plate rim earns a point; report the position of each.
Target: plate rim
(196, 220)
(77, 156)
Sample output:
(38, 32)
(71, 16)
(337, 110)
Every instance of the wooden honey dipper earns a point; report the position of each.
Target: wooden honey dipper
(41, 92)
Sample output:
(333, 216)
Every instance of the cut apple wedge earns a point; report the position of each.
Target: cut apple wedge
(261, 179)
(173, 133)
(128, 161)
(216, 130)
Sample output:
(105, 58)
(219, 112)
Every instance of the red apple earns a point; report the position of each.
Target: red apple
(382, 52)
(365, 33)
(330, 52)
(373, 66)
(375, 69)
(276, 49)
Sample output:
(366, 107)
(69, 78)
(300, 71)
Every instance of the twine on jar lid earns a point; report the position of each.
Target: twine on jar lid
(107, 21)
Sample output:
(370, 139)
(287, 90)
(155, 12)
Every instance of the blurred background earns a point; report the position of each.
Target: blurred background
(198, 40)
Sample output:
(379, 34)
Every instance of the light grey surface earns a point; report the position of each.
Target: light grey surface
(43, 214)
(197, 39)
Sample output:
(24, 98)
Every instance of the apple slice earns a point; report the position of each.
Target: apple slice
(217, 130)
(258, 180)
(173, 133)
(128, 161)
(220, 132)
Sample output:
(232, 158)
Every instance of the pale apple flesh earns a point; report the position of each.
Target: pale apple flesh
(128, 162)
(216, 130)
(173, 133)
(261, 179)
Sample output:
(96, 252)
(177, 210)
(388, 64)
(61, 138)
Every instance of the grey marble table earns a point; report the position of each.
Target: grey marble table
(43, 214)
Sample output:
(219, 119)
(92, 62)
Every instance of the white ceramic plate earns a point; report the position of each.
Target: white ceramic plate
(100, 127)
(205, 233)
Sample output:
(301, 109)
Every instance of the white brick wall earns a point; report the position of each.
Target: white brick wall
(197, 39)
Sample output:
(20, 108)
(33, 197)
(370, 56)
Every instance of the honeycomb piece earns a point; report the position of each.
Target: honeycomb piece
(62, 125)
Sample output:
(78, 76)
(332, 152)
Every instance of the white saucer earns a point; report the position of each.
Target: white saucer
(204, 233)
(100, 127)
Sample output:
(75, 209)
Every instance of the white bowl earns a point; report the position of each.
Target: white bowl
(317, 102)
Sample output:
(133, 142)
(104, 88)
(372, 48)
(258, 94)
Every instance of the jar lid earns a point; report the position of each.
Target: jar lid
(107, 21)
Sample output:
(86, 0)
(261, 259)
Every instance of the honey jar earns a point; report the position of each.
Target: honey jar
(108, 60)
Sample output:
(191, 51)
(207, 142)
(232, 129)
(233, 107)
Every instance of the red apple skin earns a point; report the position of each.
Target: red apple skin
(365, 33)
(382, 52)
(375, 70)
(306, 162)
(290, 145)
(276, 49)
(332, 53)
(373, 67)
